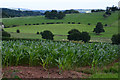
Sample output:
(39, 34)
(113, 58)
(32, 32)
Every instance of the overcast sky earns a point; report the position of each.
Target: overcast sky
(58, 4)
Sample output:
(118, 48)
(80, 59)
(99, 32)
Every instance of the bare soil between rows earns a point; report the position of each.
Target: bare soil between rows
(39, 72)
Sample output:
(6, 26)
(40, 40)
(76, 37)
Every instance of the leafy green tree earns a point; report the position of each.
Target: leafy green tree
(116, 39)
(74, 34)
(60, 15)
(54, 15)
(73, 30)
(85, 37)
(99, 28)
(47, 35)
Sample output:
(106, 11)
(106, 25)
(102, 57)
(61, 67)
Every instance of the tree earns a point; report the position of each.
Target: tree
(73, 30)
(18, 31)
(54, 14)
(5, 34)
(116, 39)
(47, 35)
(74, 34)
(85, 37)
(60, 15)
(99, 28)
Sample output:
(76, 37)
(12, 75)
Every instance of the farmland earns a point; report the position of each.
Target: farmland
(67, 55)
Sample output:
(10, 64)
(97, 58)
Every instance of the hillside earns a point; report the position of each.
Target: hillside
(83, 18)
(6, 13)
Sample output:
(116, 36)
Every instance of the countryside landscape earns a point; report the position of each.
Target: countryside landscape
(60, 44)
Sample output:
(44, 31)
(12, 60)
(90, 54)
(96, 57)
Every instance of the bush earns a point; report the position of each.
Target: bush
(68, 22)
(73, 22)
(5, 34)
(18, 31)
(29, 24)
(85, 37)
(43, 23)
(99, 28)
(37, 24)
(37, 32)
(105, 24)
(116, 39)
(47, 35)
(73, 30)
(25, 24)
(14, 25)
(74, 34)
(78, 22)
(88, 23)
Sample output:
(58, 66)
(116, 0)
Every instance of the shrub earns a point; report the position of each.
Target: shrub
(37, 32)
(14, 25)
(85, 37)
(37, 24)
(5, 34)
(47, 35)
(25, 24)
(88, 23)
(33, 24)
(29, 24)
(18, 31)
(43, 23)
(105, 24)
(116, 39)
(76, 36)
(73, 22)
(99, 28)
(78, 22)
(57, 22)
(68, 22)
(73, 30)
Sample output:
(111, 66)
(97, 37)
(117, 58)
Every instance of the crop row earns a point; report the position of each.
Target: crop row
(64, 55)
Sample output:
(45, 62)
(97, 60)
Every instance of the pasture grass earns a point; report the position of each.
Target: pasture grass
(83, 18)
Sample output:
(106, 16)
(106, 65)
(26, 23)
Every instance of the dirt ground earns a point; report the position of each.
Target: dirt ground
(39, 72)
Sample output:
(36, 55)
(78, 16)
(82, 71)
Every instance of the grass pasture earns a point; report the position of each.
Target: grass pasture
(86, 18)
(62, 29)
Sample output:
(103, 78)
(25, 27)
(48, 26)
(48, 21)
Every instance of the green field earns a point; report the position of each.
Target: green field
(83, 18)
(64, 55)
(30, 31)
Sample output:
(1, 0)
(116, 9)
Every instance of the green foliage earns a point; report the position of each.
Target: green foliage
(37, 33)
(65, 55)
(70, 11)
(18, 31)
(5, 34)
(54, 14)
(116, 38)
(99, 28)
(85, 36)
(74, 34)
(17, 13)
(47, 35)
(73, 30)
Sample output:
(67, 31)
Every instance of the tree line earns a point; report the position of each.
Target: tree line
(6, 13)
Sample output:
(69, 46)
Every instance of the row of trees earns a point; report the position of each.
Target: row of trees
(74, 34)
(6, 13)
(54, 14)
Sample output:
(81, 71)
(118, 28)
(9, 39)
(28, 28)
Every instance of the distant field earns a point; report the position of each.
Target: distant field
(83, 18)
(30, 31)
